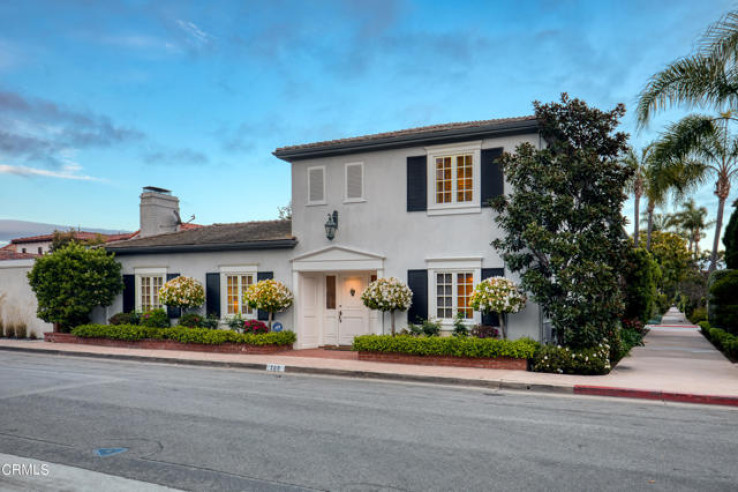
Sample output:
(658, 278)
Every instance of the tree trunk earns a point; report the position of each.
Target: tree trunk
(270, 320)
(722, 190)
(651, 206)
(392, 317)
(501, 317)
(637, 219)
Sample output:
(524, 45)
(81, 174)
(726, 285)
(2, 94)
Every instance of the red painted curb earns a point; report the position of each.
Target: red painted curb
(656, 395)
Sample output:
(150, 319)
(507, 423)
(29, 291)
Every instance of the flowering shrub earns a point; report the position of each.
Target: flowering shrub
(255, 326)
(183, 292)
(270, 296)
(497, 295)
(563, 360)
(156, 318)
(388, 295)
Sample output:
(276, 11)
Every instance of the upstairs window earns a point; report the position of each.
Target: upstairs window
(455, 179)
(316, 185)
(354, 182)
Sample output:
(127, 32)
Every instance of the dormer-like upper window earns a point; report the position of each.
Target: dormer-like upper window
(454, 178)
(316, 185)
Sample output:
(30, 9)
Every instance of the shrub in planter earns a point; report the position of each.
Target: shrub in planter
(132, 318)
(485, 331)
(388, 295)
(156, 318)
(498, 295)
(563, 360)
(182, 292)
(191, 320)
(255, 326)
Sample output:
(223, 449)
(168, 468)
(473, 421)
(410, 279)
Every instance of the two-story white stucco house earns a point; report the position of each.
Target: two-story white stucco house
(410, 204)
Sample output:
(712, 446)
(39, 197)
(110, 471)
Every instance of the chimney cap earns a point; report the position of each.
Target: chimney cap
(156, 189)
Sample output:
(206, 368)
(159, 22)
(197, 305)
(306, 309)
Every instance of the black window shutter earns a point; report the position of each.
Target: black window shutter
(263, 315)
(173, 312)
(491, 319)
(212, 294)
(417, 280)
(417, 184)
(493, 182)
(129, 293)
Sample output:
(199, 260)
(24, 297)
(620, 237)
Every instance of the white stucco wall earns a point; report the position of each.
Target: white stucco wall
(17, 300)
(383, 226)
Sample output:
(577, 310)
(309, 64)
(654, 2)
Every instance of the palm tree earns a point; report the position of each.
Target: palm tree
(700, 147)
(692, 219)
(638, 183)
(708, 77)
(659, 181)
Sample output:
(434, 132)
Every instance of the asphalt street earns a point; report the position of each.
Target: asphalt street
(198, 428)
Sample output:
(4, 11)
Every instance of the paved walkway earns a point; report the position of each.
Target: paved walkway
(677, 364)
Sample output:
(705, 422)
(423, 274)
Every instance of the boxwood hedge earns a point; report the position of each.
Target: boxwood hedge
(183, 335)
(523, 348)
(724, 341)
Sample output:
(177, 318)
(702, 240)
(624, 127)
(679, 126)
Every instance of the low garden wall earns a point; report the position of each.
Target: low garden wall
(176, 338)
(487, 353)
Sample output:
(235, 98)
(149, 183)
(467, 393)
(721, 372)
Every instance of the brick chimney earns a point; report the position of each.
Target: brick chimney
(159, 211)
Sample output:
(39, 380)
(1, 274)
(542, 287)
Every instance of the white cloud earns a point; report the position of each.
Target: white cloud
(197, 35)
(67, 171)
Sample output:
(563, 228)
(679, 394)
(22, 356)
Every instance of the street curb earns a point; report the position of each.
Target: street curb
(477, 383)
(656, 395)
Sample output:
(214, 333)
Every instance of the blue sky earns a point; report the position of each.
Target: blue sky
(98, 99)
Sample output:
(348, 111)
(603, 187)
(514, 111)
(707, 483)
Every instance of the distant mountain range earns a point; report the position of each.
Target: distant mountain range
(11, 229)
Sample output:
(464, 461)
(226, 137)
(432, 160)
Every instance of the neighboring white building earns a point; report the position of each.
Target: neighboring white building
(410, 204)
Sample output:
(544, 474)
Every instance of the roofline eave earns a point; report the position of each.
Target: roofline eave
(203, 248)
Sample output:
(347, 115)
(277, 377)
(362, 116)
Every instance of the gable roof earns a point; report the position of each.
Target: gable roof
(424, 135)
(9, 254)
(217, 237)
(79, 235)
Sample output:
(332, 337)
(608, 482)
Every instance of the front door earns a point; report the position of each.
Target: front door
(353, 316)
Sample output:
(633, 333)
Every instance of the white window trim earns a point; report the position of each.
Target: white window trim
(147, 272)
(362, 198)
(448, 324)
(225, 271)
(325, 179)
(475, 206)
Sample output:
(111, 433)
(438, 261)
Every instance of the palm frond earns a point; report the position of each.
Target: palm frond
(720, 41)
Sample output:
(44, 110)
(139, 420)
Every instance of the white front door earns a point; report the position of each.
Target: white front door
(353, 316)
(310, 296)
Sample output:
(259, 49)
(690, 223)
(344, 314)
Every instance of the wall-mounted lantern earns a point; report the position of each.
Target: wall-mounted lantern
(331, 225)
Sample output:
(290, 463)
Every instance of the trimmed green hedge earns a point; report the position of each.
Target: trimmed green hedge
(563, 360)
(183, 335)
(523, 348)
(726, 342)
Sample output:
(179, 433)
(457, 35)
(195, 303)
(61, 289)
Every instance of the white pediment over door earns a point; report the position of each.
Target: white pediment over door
(337, 258)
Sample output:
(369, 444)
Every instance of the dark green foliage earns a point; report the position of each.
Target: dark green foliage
(698, 315)
(485, 331)
(460, 329)
(156, 318)
(730, 240)
(132, 318)
(723, 311)
(629, 338)
(70, 282)
(431, 328)
(563, 360)
(724, 341)
(563, 227)
(191, 320)
(522, 348)
(641, 276)
(183, 335)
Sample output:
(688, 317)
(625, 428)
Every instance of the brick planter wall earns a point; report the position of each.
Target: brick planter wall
(446, 360)
(225, 348)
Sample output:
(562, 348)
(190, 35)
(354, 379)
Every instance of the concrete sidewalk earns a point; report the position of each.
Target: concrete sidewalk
(677, 364)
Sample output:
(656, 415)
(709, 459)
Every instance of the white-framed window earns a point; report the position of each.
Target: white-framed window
(316, 185)
(452, 292)
(354, 182)
(234, 282)
(148, 281)
(454, 178)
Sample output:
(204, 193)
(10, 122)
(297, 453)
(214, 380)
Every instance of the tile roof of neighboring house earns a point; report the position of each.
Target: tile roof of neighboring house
(81, 235)
(216, 237)
(426, 134)
(8, 254)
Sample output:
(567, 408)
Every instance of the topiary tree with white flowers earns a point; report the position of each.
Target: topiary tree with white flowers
(182, 292)
(388, 295)
(498, 295)
(269, 295)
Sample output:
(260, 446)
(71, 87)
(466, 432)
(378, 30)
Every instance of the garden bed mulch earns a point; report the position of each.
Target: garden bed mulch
(225, 348)
(446, 360)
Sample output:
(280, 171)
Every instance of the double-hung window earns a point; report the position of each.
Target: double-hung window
(453, 291)
(454, 178)
(148, 283)
(234, 283)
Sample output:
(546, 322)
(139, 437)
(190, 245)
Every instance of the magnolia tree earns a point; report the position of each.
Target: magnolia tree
(270, 296)
(498, 295)
(182, 292)
(388, 295)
